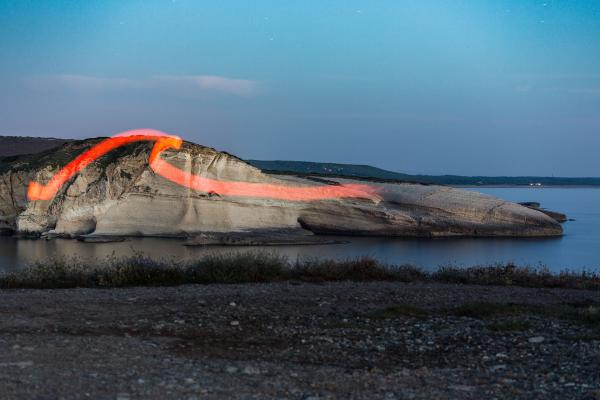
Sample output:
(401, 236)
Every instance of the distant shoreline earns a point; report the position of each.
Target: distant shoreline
(374, 174)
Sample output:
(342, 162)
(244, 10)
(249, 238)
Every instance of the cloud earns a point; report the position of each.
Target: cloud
(240, 87)
(175, 84)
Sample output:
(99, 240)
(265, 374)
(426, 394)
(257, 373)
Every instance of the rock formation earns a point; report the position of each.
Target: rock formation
(559, 217)
(119, 195)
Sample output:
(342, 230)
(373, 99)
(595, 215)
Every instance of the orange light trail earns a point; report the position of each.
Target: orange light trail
(165, 141)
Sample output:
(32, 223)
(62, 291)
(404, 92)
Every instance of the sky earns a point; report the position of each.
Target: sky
(505, 87)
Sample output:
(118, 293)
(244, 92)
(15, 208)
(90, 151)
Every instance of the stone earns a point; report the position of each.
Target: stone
(536, 339)
(19, 364)
(250, 370)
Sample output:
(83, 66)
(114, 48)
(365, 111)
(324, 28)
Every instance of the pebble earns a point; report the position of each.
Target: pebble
(462, 388)
(536, 339)
(250, 370)
(20, 364)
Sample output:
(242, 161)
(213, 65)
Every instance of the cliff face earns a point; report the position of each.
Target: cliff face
(13, 199)
(120, 195)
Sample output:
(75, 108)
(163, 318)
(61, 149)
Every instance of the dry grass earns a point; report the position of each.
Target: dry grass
(512, 275)
(266, 267)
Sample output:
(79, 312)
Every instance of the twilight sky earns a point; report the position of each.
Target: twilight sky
(505, 87)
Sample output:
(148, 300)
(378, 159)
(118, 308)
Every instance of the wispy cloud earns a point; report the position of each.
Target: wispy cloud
(184, 84)
(240, 87)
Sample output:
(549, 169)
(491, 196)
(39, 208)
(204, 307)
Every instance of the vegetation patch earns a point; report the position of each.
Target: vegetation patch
(484, 309)
(59, 157)
(510, 325)
(512, 275)
(141, 271)
(55, 158)
(584, 337)
(251, 267)
(360, 269)
(587, 315)
(399, 310)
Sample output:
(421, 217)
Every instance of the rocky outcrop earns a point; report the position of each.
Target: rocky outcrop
(13, 199)
(119, 195)
(557, 216)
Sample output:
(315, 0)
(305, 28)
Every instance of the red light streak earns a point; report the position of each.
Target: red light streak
(165, 141)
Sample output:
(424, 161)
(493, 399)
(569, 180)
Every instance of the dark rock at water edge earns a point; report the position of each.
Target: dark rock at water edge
(557, 216)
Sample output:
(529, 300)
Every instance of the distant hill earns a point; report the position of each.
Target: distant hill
(373, 173)
(306, 167)
(17, 145)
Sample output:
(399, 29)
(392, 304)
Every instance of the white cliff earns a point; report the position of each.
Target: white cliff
(119, 195)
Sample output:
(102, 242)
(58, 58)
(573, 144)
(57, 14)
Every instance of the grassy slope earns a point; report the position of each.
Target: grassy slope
(60, 156)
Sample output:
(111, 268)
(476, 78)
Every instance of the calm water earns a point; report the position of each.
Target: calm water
(578, 249)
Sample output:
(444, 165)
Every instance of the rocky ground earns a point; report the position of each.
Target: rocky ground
(300, 340)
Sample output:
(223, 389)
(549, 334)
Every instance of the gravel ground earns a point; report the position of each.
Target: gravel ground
(295, 340)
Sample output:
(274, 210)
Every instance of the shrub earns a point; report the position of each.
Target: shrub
(251, 267)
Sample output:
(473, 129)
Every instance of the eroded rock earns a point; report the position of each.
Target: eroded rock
(119, 195)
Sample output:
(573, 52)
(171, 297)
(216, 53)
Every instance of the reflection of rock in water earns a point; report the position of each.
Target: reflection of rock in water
(100, 239)
(258, 237)
(119, 195)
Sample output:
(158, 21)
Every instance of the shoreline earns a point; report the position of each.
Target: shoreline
(295, 340)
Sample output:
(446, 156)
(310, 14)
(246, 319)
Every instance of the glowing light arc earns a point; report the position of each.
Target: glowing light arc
(164, 141)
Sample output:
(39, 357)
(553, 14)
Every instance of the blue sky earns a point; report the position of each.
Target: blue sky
(457, 87)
